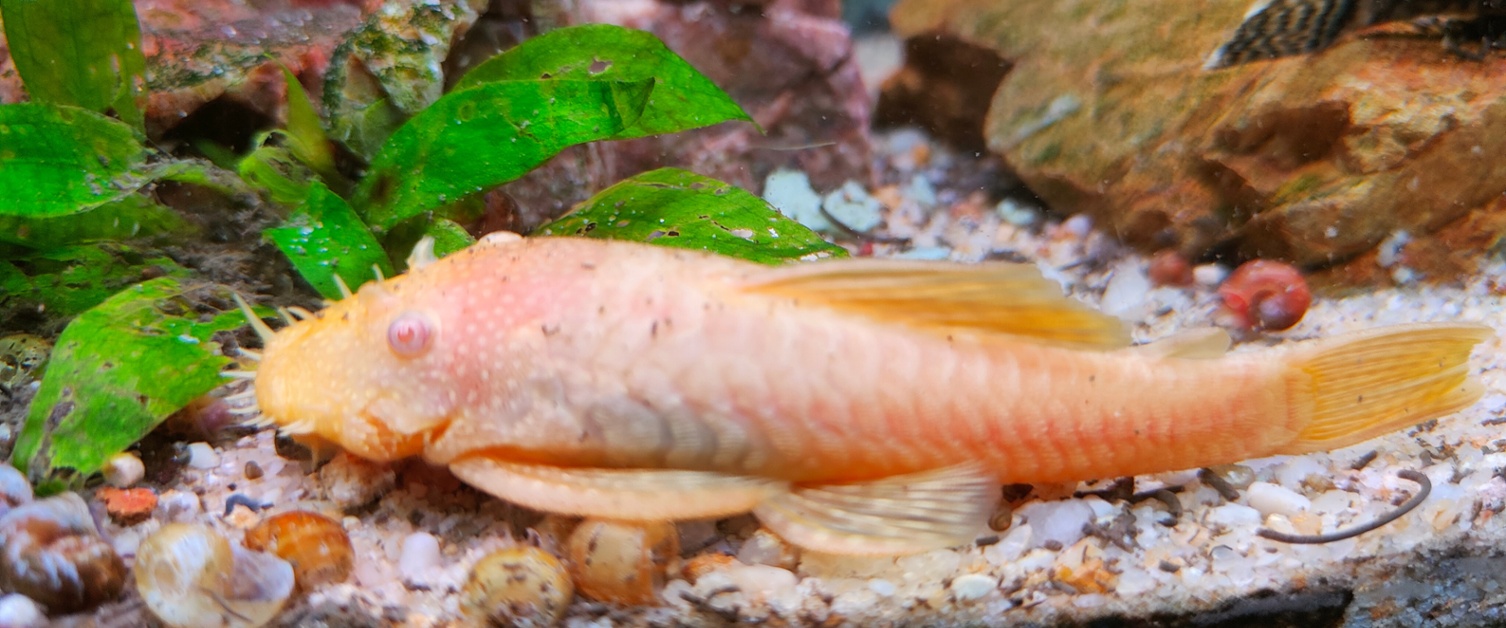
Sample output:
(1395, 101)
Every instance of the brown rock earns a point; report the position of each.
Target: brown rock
(1313, 158)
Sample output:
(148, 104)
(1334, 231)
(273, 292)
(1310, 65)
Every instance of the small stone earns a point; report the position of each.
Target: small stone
(761, 581)
(253, 471)
(128, 506)
(973, 586)
(1234, 516)
(1016, 213)
(178, 506)
(1275, 499)
(765, 548)
(881, 587)
(1209, 275)
(349, 481)
(1125, 296)
(702, 564)
(123, 470)
(1060, 521)
(202, 456)
(852, 206)
(19, 611)
(420, 554)
(926, 253)
(790, 192)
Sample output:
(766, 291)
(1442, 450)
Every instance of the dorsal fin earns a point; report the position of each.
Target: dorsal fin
(1200, 343)
(994, 298)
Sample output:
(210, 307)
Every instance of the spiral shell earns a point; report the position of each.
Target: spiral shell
(189, 575)
(1262, 295)
(520, 586)
(622, 562)
(51, 552)
(317, 546)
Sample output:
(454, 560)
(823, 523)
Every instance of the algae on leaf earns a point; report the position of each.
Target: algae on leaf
(476, 139)
(682, 99)
(117, 371)
(60, 160)
(672, 207)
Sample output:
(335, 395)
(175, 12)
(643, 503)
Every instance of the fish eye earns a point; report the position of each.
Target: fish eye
(409, 335)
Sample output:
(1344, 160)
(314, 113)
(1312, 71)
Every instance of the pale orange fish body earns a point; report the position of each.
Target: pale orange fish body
(856, 405)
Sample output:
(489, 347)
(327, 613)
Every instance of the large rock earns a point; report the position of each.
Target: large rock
(1314, 158)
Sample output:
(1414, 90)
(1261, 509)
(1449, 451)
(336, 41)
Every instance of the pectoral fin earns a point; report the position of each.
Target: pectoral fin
(994, 298)
(630, 494)
(1201, 343)
(896, 515)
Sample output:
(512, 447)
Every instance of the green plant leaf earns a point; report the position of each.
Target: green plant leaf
(324, 238)
(58, 160)
(682, 99)
(61, 283)
(85, 53)
(275, 170)
(448, 237)
(672, 207)
(306, 138)
(131, 217)
(473, 140)
(116, 372)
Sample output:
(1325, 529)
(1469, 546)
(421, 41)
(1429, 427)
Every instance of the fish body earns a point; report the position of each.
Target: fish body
(860, 406)
(1279, 28)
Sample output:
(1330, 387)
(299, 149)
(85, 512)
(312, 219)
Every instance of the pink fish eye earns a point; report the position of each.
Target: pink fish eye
(409, 334)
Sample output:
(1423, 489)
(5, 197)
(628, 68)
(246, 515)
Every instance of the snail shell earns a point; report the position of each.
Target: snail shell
(189, 575)
(622, 562)
(520, 586)
(51, 552)
(317, 546)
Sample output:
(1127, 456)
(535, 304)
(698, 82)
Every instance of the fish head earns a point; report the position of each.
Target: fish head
(366, 373)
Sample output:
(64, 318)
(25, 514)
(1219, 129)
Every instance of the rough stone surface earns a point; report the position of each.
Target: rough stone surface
(1314, 159)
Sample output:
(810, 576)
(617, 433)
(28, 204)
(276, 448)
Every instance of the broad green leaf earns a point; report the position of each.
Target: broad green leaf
(473, 140)
(57, 160)
(276, 171)
(200, 172)
(324, 238)
(672, 207)
(116, 372)
(682, 99)
(131, 217)
(85, 53)
(62, 283)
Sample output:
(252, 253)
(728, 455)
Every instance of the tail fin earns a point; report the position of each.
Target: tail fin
(1375, 382)
(1279, 28)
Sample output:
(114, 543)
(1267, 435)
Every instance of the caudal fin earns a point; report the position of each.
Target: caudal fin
(1375, 382)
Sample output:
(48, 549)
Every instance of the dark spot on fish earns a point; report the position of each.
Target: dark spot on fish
(549, 330)
(1092, 378)
(587, 266)
(653, 329)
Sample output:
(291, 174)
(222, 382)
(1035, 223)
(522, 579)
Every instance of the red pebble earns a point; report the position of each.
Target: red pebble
(1169, 268)
(1262, 295)
(127, 506)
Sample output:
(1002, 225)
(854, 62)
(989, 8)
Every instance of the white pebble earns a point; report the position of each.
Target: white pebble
(1234, 516)
(1209, 275)
(852, 206)
(124, 470)
(926, 253)
(881, 587)
(1276, 499)
(1298, 468)
(973, 586)
(1061, 521)
(761, 580)
(764, 548)
(19, 611)
(1125, 296)
(1010, 547)
(420, 554)
(178, 506)
(790, 192)
(202, 456)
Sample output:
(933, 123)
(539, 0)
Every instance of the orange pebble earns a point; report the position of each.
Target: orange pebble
(127, 505)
